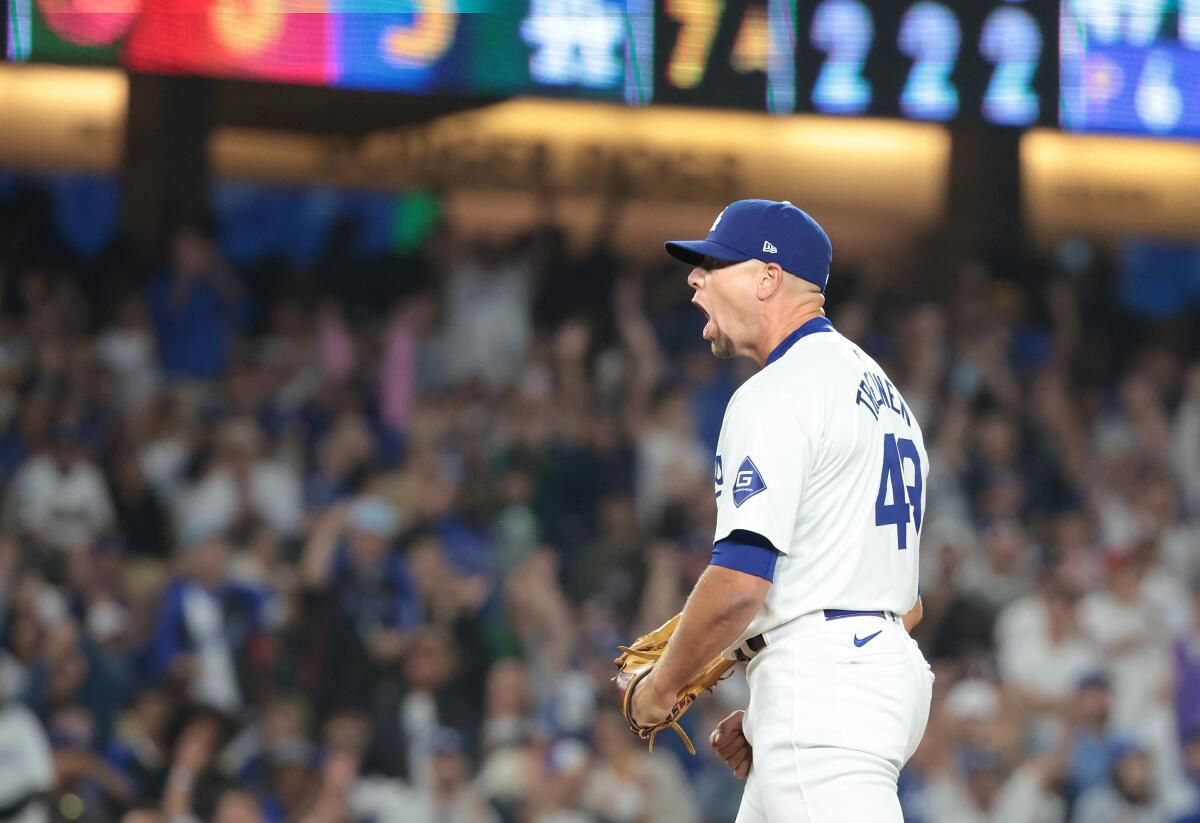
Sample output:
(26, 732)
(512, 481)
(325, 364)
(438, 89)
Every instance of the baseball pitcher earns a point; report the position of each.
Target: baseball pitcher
(819, 481)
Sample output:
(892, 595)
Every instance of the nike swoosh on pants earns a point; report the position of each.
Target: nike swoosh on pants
(860, 642)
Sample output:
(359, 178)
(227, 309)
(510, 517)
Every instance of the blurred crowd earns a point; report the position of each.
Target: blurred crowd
(358, 542)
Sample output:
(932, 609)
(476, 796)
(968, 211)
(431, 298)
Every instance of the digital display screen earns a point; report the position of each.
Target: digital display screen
(920, 60)
(1131, 67)
(486, 47)
(995, 60)
(69, 32)
(932, 60)
(231, 39)
(578, 48)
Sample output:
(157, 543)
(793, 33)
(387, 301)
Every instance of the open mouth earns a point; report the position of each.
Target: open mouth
(710, 328)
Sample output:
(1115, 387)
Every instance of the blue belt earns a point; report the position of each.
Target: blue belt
(838, 614)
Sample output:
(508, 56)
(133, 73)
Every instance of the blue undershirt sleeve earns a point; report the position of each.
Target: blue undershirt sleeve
(746, 552)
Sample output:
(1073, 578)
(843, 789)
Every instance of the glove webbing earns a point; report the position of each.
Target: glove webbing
(650, 732)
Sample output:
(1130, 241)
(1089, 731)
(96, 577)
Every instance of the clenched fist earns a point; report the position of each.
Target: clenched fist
(731, 744)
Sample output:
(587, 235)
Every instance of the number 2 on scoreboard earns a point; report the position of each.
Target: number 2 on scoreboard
(891, 484)
(1011, 39)
(844, 30)
(930, 35)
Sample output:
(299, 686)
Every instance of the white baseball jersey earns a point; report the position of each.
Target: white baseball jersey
(819, 454)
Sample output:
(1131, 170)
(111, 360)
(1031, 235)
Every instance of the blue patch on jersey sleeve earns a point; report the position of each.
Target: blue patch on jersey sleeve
(747, 483)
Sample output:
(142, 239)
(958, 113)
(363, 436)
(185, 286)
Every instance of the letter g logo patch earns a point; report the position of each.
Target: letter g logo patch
(747, 483)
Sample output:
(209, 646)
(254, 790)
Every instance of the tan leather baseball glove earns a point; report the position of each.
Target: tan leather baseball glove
(639, 659)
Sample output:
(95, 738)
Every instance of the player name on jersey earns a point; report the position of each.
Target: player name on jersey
(876, 392)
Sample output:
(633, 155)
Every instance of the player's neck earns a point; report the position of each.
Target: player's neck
(777, 331)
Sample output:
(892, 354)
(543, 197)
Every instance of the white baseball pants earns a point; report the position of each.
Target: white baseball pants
(833, 716)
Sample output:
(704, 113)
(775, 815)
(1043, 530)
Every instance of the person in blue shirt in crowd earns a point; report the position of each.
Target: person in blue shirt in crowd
(1131, 792)
(139, 750)
(1090, 757)
(362, 603)
(197, 307)
(208, 627)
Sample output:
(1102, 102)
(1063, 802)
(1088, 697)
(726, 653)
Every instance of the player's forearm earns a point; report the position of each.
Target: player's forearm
(720, 608)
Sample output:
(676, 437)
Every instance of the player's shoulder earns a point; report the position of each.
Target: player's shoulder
(761, 395)
(815, 357)
(782, 384)
(761, 409)
(816, 364)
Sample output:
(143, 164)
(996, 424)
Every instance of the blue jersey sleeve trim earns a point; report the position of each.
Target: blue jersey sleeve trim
(750, 538)
(746, 552)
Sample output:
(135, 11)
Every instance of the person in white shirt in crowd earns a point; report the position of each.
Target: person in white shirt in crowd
(671, 462)
(127, 349)
(1130, 635)
(26, 765)
(450, 796)
(487, 308)
(1040, 648)
(1005, 568)
(629, 785)
(59, 498)
(160, 432)
(242, 480)
(973, 707)
(1167, 553)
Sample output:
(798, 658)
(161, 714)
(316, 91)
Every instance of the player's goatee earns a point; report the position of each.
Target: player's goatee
(722, 347)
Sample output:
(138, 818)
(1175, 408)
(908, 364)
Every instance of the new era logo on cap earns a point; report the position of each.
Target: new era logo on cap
(740, 232)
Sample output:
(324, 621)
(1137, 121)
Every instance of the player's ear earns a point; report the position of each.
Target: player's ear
(770, 278)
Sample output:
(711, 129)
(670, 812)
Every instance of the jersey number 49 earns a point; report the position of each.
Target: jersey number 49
(892, 485)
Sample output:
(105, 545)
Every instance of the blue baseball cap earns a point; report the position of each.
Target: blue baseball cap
(769, 230)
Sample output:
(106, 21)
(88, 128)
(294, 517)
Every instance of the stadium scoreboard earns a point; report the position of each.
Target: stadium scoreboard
(1116, 65)
(921, 60)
